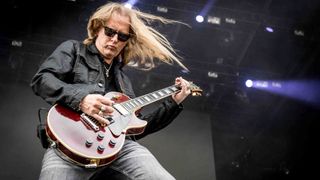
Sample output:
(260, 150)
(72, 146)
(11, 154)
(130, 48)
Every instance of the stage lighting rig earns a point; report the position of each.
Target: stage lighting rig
(214, 20)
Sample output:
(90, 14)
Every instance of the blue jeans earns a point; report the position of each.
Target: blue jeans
(134, 162)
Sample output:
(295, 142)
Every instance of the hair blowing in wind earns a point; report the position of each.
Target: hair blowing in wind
(145, 45)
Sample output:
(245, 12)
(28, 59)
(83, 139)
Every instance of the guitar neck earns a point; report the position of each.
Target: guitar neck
(139, 102)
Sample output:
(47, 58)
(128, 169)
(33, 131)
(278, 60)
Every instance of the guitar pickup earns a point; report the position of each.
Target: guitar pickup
(121, 109)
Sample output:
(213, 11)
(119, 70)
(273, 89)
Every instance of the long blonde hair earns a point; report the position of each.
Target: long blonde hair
(145, 44)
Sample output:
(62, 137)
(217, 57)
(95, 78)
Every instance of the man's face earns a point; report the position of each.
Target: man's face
(108, 42)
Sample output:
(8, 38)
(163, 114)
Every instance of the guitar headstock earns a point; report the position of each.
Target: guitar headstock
(195, 90)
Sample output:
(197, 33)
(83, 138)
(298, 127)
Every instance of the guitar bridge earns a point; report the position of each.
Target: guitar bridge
(89, 121)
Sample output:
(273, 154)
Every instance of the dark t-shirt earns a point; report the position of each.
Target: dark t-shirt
(110, 80)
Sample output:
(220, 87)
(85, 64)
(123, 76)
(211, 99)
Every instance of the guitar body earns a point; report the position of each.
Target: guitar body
(87, 146)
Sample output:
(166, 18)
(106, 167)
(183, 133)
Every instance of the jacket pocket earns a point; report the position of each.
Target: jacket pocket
(85, 73)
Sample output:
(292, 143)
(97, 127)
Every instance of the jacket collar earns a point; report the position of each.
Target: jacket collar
(94, 50)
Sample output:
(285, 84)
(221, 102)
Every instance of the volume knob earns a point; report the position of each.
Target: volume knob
(89, 143)
(112, 143)
(100, 136)
(100, 148)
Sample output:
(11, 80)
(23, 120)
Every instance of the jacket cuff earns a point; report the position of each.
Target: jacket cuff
(75, 103)
(173, 105)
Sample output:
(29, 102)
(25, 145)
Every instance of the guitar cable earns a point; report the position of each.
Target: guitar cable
(41, 129)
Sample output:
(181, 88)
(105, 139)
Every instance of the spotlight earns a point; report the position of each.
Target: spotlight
(249, 83)
(214, 20)
(230, 20)
(185, 71)
(16, 43)
(298, 32)
(162, 9)
(199, 18)
(212, 74)
(127, 5)
(269, 29)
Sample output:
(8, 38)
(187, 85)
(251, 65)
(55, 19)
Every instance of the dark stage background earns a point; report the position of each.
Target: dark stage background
(231, 132)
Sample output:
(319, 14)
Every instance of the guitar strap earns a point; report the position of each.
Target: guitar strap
(41, 129)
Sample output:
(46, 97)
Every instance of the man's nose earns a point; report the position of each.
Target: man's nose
(115, 38)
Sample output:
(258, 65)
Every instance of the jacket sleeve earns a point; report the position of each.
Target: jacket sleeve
(161, 117)
(51, 80)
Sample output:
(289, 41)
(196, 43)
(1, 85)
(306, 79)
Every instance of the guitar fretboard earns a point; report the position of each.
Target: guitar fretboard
(138, 102)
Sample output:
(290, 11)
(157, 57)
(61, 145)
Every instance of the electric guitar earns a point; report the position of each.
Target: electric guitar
(86, 142)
